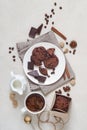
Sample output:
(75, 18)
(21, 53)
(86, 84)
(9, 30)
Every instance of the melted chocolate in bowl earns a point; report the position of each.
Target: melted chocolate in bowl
(35, 102)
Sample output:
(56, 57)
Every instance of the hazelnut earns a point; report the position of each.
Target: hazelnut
(66, 51)
(73, 82)
(15, 103)
(61, 44)
(12, 96)
(27, 119)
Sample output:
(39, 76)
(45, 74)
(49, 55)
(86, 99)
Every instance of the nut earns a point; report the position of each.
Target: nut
(27, 119)
(12, 95)
(66, 51)
(15, 103)
(73, 82)
(61, 44)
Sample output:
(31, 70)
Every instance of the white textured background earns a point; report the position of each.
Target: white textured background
(16, 18)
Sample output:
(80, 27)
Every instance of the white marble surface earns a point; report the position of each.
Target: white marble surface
(16, 18)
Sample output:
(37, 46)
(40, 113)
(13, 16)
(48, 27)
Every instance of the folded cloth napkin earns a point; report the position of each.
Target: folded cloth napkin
(22, 47)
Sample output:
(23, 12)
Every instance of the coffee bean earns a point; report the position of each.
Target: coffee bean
(13, 56)
(66, 43)
(51, 16)
(45, 26)
(14, 60)
(52, 22)
(55, 3)
(60, 7)
(9, 48)
(12, 48)
(9, 51)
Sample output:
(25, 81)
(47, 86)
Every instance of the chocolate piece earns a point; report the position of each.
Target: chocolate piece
(30, 65)
(34, 73)
(62, 103)
(41, 78)
(32, 32)
(39, 29)
(43, 71)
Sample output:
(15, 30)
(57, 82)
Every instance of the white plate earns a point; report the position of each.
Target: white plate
(59, 70)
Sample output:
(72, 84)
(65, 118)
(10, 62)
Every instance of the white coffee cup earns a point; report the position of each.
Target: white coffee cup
(26, 108)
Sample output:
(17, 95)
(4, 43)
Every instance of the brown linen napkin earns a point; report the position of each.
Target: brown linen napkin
(48, 37)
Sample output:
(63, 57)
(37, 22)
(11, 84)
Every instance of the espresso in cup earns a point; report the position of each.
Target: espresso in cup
(35, 102)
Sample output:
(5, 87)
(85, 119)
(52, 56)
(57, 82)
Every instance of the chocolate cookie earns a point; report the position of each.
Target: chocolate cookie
(51, 62)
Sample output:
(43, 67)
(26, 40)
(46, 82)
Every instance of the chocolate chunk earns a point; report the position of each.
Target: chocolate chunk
(34, 73)
(39, 29)
(30, 65)
(41, 78)
(32, 32)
